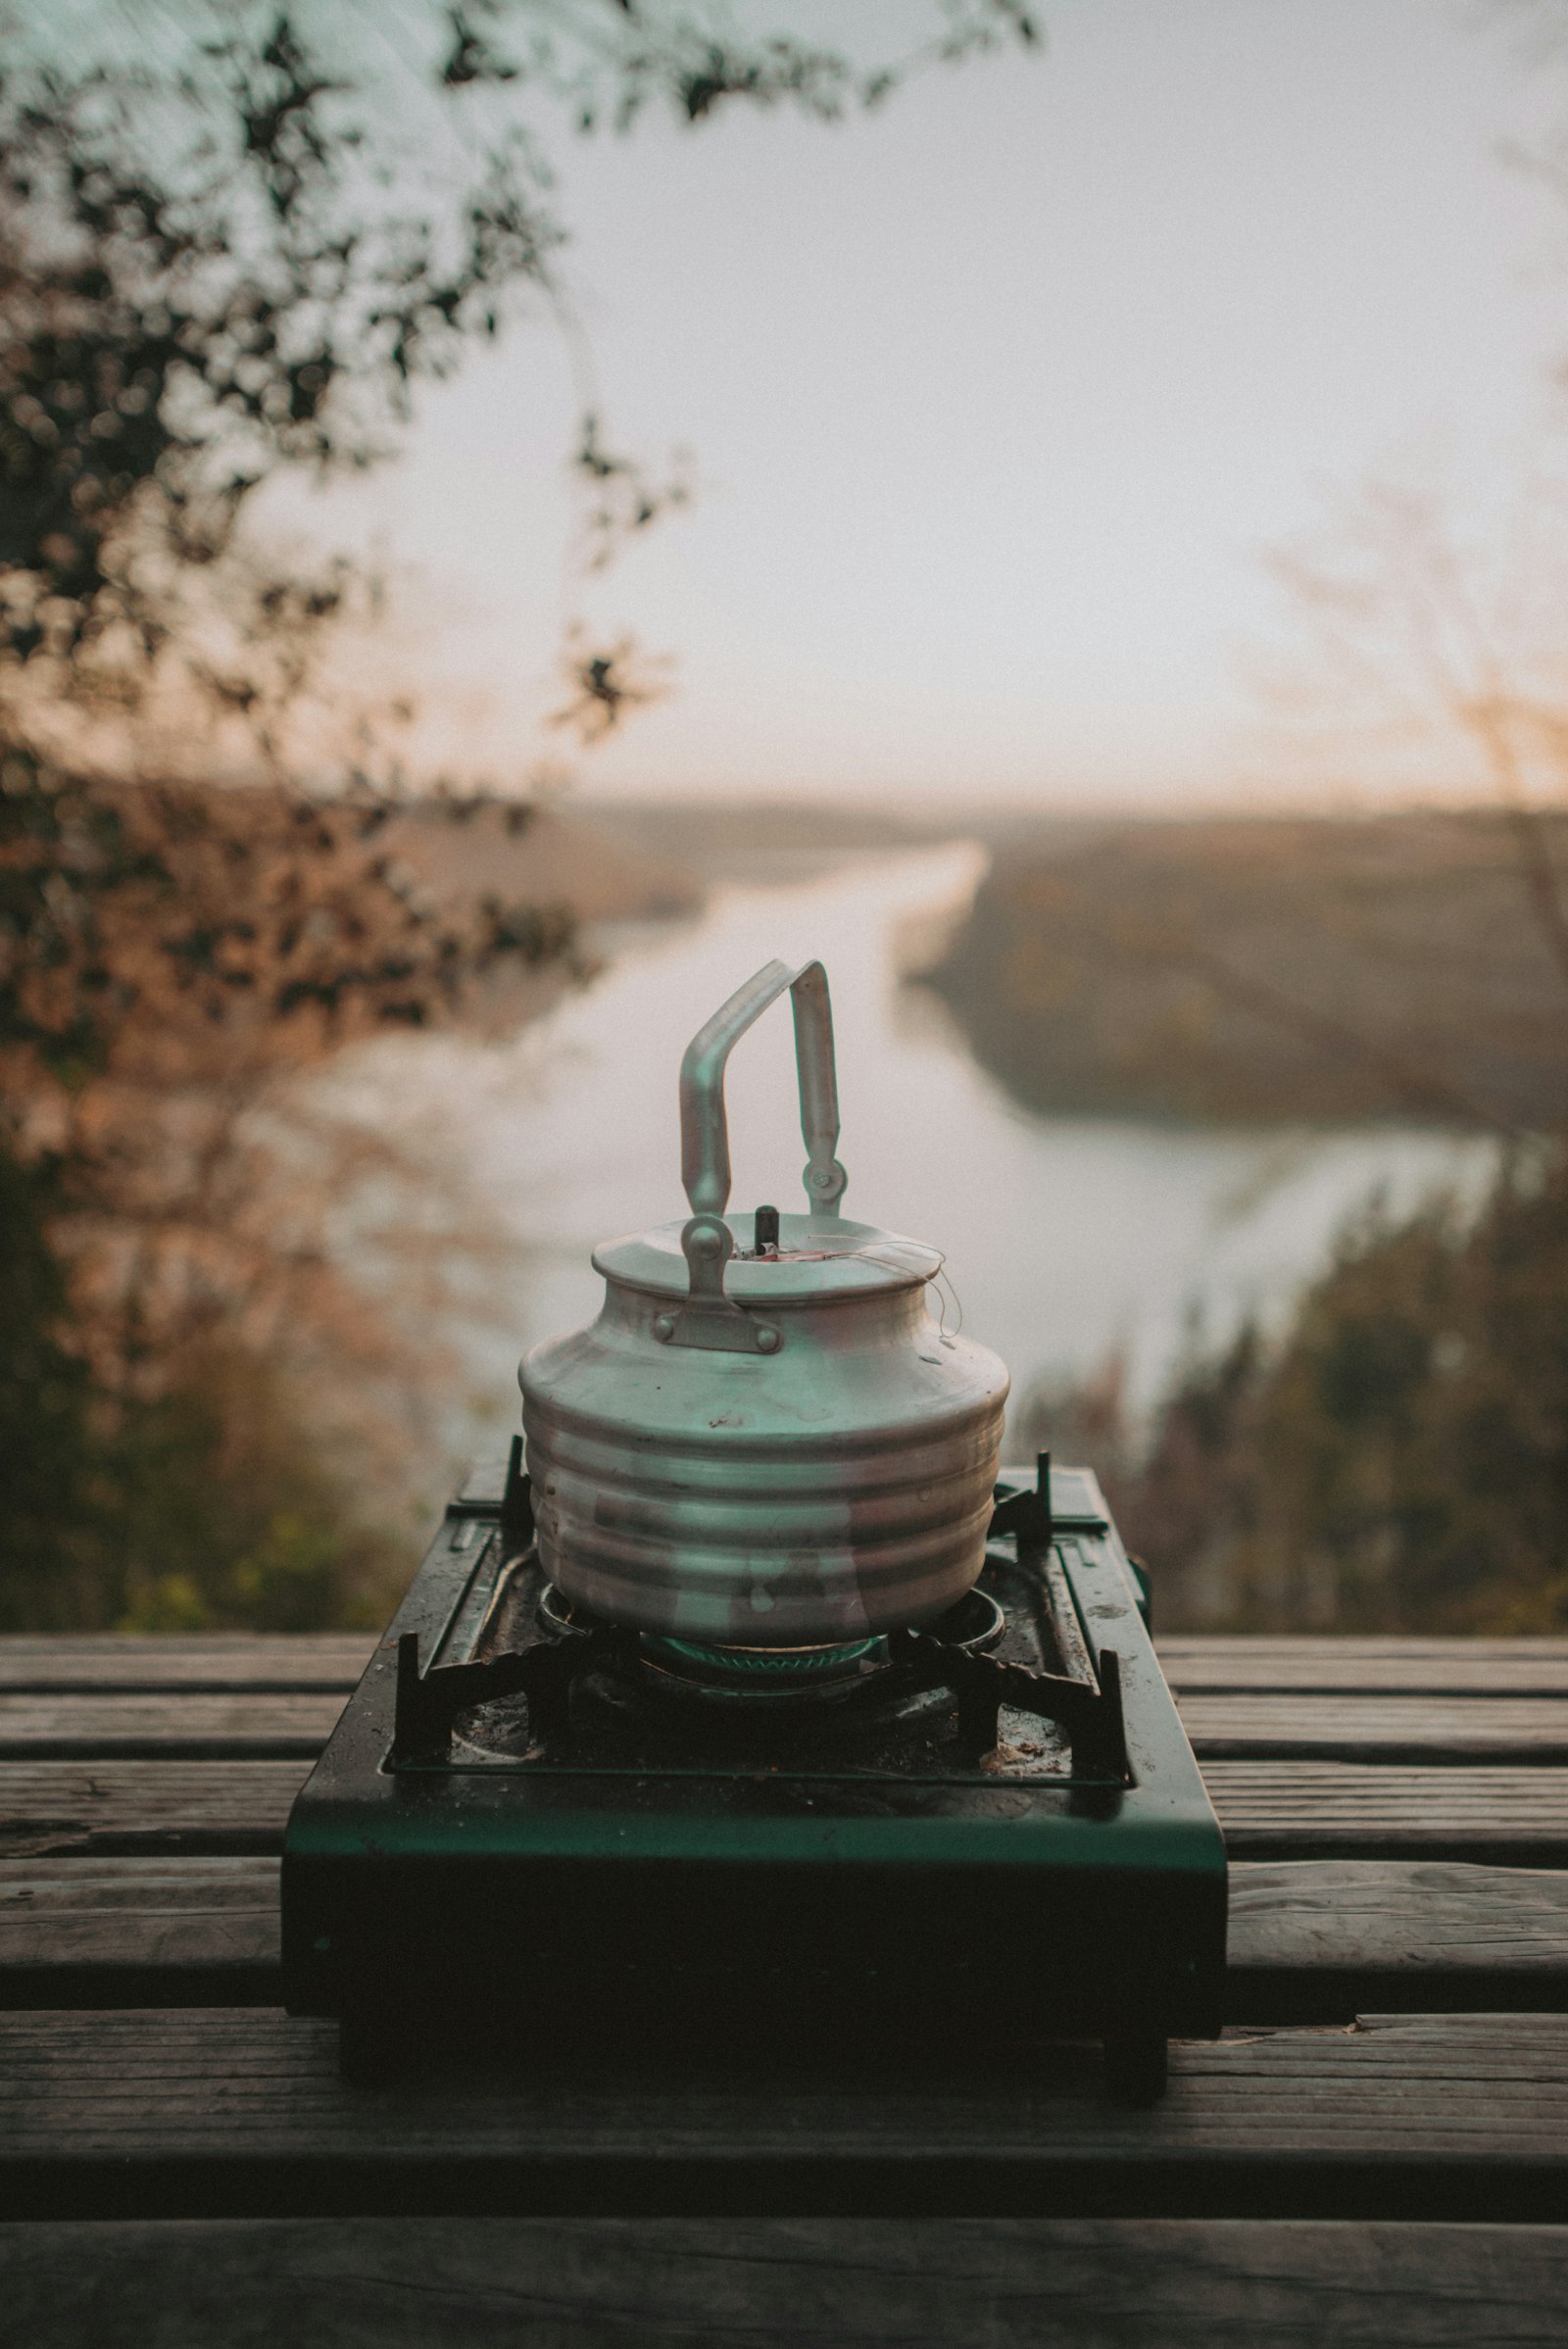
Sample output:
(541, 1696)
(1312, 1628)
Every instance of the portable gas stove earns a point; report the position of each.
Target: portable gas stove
(992, 1825)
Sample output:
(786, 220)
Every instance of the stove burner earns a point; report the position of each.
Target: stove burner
(973, 1627)
(561, 1618)
(581, 1652)
(762, 1671)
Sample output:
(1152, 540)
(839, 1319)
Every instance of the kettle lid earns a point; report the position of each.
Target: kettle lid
(811, 1260)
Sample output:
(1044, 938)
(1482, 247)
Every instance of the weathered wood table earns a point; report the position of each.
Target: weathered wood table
(1376, 2152)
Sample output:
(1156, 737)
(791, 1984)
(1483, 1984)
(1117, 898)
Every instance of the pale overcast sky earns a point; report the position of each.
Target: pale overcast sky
(996, 397)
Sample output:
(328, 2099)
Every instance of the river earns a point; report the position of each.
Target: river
(1069, 1240)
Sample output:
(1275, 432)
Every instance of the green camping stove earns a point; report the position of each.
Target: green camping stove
(526, 1814)
(753, 1711)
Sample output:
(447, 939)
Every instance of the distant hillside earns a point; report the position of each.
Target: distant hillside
(760, 841)
(526, 856)
(1267, 968)
(540, 856)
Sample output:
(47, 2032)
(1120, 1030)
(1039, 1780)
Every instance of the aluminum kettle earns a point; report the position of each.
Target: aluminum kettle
(764, 1441)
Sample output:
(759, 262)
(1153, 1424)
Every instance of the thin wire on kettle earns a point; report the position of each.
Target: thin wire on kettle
(944, 1287)
(882, 1253)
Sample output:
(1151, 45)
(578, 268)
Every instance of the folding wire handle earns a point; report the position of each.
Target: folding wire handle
(704, 1126)
(709, 1319)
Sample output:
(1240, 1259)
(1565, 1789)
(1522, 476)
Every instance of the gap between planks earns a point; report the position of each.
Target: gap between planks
(1192, 1664)
(259, 1725)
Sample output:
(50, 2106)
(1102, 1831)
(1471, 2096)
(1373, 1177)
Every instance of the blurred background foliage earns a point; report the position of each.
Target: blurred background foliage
(238, 250)
(1394, 1460)
(233, 242)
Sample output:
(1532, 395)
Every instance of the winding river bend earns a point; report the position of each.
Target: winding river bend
(1068, 1240)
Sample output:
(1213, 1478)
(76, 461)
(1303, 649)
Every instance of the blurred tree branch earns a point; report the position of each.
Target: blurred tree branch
(234, 247)
(1406, 651)
(236, 239)
(239, 245)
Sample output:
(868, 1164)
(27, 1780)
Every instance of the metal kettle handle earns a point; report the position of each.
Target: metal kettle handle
(704, 1127)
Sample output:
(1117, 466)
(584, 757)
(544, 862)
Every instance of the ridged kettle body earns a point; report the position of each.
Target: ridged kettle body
(765, 1440)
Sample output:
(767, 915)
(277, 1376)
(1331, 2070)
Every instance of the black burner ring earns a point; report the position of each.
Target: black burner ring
(975, 1624)
(562, 1617)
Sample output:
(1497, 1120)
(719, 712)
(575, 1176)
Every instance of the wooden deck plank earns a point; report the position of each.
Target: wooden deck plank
(1490, 1814)
(1311, 1726)
(211, 2114)
(234, 1724)
(1393, 1666)
(1361, 1914)
(279, 1661)
(31, 1890)
(110, 1933)
(1317, 1940)
(1493, 1814)
(1309, 1942)
(671, 2283)
(146, 1807)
